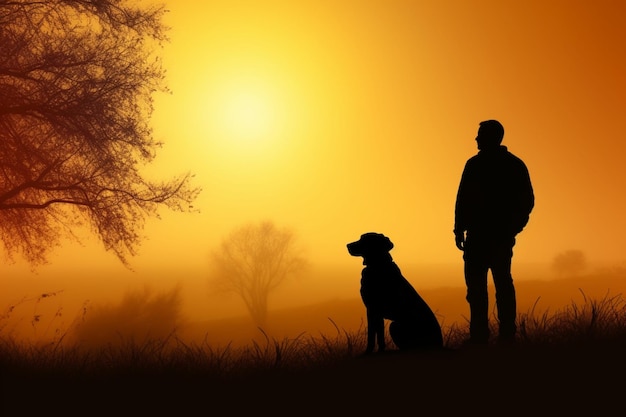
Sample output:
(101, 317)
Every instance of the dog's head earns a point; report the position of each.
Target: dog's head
(371, 246)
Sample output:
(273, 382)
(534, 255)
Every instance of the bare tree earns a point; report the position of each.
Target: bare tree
(570, 262)
(77, 79)
(253, 261)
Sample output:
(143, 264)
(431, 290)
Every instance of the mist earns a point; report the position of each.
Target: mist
(112, 306)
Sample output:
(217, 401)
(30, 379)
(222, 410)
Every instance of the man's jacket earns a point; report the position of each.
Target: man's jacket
(495, 195)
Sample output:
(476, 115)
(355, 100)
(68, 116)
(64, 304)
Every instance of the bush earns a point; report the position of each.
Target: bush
(140, 316)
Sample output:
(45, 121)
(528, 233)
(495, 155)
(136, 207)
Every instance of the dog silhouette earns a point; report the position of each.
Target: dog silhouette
(387, 294)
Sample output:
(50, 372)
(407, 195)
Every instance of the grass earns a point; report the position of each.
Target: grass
(566, 362)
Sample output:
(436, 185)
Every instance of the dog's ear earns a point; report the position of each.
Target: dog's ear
(378, 241)
(386, 243)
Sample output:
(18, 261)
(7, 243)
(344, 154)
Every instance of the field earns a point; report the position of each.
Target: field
(534, 296)
(568, 361)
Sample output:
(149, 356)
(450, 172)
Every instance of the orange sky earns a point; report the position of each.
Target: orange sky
(335, 118)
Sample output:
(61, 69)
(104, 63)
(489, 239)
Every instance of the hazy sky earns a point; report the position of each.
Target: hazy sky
(335, 118)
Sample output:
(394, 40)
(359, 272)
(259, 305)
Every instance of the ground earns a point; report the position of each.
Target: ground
(487, 381)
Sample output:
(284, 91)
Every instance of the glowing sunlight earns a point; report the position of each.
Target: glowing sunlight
(239, 115)
(247, 117)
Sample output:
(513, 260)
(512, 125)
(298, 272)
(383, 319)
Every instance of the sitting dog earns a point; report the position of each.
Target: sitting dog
(388, 295)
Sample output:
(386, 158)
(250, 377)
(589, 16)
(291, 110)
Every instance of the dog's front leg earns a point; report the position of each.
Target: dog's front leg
(375, 331)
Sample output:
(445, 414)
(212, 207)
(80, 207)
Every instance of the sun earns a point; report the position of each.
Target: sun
(247, 116)
(239, 117)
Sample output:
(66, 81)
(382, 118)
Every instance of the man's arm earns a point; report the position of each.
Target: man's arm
(460, 212)
(459, 240)
(526, 199)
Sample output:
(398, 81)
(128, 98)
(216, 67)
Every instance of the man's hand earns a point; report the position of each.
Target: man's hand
(459, 239)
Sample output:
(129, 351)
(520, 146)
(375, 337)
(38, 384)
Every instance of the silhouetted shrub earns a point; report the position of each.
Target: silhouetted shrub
(139, 317)
(570, 262)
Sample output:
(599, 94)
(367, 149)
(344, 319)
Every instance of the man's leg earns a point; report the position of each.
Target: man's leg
(476, 270)
(505, 292)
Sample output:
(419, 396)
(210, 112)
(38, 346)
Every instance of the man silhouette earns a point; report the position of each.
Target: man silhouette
(493, 204)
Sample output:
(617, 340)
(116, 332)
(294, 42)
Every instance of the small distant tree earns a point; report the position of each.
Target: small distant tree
(253, 261)
(77, 79)
(570, 262)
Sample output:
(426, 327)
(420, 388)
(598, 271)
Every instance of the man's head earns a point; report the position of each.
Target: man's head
(490, 134)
